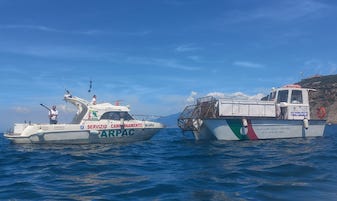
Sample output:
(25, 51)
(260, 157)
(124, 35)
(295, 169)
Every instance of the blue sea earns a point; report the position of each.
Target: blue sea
(172, 166)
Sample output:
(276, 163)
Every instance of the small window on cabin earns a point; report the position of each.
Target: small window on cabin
(272, 96)
(296, 97)
(282, 96)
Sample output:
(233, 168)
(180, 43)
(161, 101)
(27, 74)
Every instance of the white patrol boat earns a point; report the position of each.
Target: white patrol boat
(285, 113)
(99, 123)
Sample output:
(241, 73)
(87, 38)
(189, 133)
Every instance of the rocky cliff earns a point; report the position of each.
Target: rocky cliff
(325, 95)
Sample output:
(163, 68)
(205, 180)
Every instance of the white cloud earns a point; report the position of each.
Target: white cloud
(332, 68)
(50, 51)
(194, 58)
(258, 96)
(286, 10)
(297, 9)
(32, 27)
(186, 48)
(80, 32)
(67, 108)
(248, 64)
(236, 95)
(316, 66)
(216, 94)
(192, 97)
(167, 63)
(20, 109)
(66, 52)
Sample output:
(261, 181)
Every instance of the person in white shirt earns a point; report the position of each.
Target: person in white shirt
(53, 113)
(93, 101)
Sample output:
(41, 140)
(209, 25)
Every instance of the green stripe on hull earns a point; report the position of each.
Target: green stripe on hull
(236, 126)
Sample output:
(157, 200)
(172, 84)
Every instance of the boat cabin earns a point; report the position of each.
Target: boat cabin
(103, 111)
(292, 102)
(288, 102)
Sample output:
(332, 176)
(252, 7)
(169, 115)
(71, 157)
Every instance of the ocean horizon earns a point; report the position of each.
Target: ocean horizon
(172, 166)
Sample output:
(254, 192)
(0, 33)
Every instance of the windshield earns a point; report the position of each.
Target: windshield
(282, 96)
(117, 116)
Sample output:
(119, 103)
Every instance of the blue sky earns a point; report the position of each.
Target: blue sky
(155, 54)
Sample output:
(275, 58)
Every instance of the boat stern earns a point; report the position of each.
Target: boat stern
(15, 134)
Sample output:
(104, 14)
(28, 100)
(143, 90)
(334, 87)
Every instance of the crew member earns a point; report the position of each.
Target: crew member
(93, 101)
(53, 113)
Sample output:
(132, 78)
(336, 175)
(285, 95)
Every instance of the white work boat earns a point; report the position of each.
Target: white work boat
(99, 123)
(285, 113)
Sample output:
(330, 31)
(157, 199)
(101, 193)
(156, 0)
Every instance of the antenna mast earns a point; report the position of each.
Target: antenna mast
(90, 86)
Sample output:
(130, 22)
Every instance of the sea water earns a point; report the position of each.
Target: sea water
(172, 166)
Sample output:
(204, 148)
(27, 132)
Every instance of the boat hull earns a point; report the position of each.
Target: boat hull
(203, 133)
(70, 135)
(255, 129)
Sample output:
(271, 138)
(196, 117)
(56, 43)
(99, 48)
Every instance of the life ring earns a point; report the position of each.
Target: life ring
(321, 112)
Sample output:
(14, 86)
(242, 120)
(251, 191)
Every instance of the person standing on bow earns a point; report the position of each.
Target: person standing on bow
(53, 113)
(93, 101)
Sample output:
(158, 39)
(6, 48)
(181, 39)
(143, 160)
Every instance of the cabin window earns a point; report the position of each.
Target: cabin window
(272, 96)
(282, 96)
(116, 116)
(296, 97)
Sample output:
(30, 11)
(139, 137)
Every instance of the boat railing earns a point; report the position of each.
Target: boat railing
(206, 99)
(206, 107)
(185, 120)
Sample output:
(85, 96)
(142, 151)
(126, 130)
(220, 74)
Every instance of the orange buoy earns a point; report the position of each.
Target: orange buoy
(321, 112)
